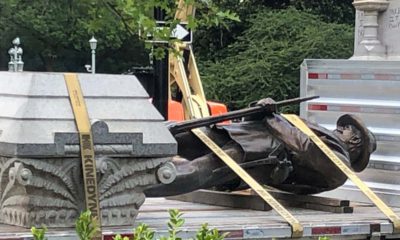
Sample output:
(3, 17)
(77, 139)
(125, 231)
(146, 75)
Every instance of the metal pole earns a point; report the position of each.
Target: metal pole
(93, 45)
(161, 75)
(93, 61)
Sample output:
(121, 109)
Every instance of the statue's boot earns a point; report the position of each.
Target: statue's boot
(209, 171)
(196, 174)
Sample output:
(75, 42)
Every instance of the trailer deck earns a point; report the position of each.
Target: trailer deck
(366, 221)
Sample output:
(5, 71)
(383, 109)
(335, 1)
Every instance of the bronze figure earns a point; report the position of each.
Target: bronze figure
(273, 151)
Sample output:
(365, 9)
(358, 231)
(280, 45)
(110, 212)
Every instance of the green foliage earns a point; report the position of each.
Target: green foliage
(209, 234)
(87, 226)
(175, 222)
(39, 233)
(119, 237)
(135, 16)
(55, 34)
(265, 59)
(143, 232)
(324, 238)
(339, 11)
(208, 41)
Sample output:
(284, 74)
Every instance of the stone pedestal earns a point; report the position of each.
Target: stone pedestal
(370, 46)
(50, 191)
(377, 30)
(40, 167)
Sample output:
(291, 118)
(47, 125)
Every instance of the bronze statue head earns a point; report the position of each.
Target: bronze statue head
(360, 142)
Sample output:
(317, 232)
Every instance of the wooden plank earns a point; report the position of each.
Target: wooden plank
(309, 199)
(254, 202)
(225, 199)
(318, 207)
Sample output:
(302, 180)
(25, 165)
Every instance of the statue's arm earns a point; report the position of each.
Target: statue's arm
(308, 156)
(292, 137)
(296, 141)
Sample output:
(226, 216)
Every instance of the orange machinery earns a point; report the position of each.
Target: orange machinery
(186, 98)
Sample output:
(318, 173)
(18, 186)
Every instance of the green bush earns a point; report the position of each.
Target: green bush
(39, 233)
(324, 238)
(265, 60)
(209, 234)
(143, 232)
(87, 226)
(341, 11)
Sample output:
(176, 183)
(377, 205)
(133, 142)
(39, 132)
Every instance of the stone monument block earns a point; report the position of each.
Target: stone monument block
(40, 167)
(377, 30)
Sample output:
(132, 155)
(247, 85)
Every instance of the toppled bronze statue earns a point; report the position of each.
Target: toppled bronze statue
(273, 151)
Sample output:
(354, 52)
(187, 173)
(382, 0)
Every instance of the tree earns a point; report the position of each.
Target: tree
(209, 41)
(55, 33)
(265, 59)
(338, 11)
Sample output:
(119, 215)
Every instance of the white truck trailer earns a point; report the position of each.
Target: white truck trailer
(367, 222)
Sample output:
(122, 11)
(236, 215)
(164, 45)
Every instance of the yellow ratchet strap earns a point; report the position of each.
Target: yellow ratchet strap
(297, 122)
(297, 228)
(87, 149)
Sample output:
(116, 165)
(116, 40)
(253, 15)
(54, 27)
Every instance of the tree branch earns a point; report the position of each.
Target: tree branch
(119, 15)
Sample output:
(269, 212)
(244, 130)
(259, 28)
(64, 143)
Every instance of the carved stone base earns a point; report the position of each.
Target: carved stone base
(50, 191)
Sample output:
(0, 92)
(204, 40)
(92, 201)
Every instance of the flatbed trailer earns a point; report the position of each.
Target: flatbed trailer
(366, 222)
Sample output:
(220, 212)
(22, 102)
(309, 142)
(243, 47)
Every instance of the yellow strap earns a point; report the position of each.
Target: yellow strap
(296, 121)
(297, 228)
(86, 141)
